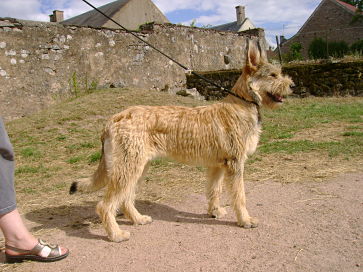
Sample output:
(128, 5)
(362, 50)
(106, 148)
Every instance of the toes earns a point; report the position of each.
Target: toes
(251, 223)
(120, 236)
(254, 222)
(143, 220)
(217, 212)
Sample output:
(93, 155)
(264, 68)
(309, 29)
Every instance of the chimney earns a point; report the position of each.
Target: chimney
(241, 16)
(57, 16)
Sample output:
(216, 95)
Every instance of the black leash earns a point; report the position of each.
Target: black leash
(170, 58)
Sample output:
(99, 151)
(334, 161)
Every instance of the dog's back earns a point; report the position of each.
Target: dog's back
(202, 135)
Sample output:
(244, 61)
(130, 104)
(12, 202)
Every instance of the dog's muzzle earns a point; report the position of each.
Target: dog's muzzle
(276, 98)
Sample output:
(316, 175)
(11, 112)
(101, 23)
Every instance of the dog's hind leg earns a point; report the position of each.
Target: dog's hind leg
(106, 209)
(214, 191)
(235, 184)
(128, 204)
(121, 193)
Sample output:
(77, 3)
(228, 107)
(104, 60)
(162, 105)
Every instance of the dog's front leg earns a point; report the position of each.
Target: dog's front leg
(235, 183)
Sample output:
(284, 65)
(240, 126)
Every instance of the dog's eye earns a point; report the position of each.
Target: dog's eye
(273, 75)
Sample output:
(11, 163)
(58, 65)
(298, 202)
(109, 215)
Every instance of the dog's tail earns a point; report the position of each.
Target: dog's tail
(99, 178)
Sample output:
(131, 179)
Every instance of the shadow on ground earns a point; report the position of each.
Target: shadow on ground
(77, 220)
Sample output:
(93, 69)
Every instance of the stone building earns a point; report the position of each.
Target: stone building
(331, 21)
(129, 13)
(241, 24)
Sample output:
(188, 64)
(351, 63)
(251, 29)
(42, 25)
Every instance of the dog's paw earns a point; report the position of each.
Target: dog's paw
(143, 220)
(217, 212)
(119, 236)
(248, 224)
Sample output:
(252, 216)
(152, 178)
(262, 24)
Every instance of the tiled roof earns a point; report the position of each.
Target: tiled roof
(95, 19)
(234, 26)
(348, 6)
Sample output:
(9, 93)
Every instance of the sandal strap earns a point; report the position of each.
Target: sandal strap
(19, 250)
(45, 249)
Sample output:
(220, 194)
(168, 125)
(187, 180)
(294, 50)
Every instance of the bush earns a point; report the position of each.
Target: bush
(294, 53)
(357, 47)
(338, 49)
(317, 49)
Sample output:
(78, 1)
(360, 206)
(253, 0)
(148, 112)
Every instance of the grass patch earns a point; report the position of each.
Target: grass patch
(26, 169)
(30, 152)
(87, 145)
(301, 114)
(353, 127)
(353, 133)
(28, 191)
(160, 162)
(74, 160)
(298, 115)
(61, 138)
(60, 186)
(333, 148)
(95, 157)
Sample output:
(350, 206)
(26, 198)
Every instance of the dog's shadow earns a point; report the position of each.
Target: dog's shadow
(76, 220)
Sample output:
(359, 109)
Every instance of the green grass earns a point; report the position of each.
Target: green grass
(61, 138)
(94, 157)
(30, 152)
(74, 160)
(301, 114)
(26, 169)
(353, 133)
(160, 162)
(346, 147)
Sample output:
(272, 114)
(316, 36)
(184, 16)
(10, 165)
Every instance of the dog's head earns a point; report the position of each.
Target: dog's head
(262, 82)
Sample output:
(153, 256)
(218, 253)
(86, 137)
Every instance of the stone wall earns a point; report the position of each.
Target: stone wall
(42, 62)
(329, 79)
(224, 78)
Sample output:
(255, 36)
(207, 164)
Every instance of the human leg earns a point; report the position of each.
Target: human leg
(17, 238)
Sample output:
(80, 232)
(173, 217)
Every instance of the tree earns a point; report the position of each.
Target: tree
(294, 53)
(357, 47)
(193, 23)
(338, 49)
(356, 3)
(318, 49)
(359, 5)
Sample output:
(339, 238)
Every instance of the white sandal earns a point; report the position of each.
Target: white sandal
(42, 252)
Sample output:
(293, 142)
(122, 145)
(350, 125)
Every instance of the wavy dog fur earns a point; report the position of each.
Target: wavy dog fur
(219, 136)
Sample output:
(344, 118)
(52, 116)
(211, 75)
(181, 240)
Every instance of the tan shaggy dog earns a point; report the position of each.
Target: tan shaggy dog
(219, 137)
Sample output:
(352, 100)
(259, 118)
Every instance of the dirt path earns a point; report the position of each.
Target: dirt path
(303, 227)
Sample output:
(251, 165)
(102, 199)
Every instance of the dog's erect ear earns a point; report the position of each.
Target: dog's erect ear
(262, 51)
(253, 55)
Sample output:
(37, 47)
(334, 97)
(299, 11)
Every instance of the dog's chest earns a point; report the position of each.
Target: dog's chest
(252, 140)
